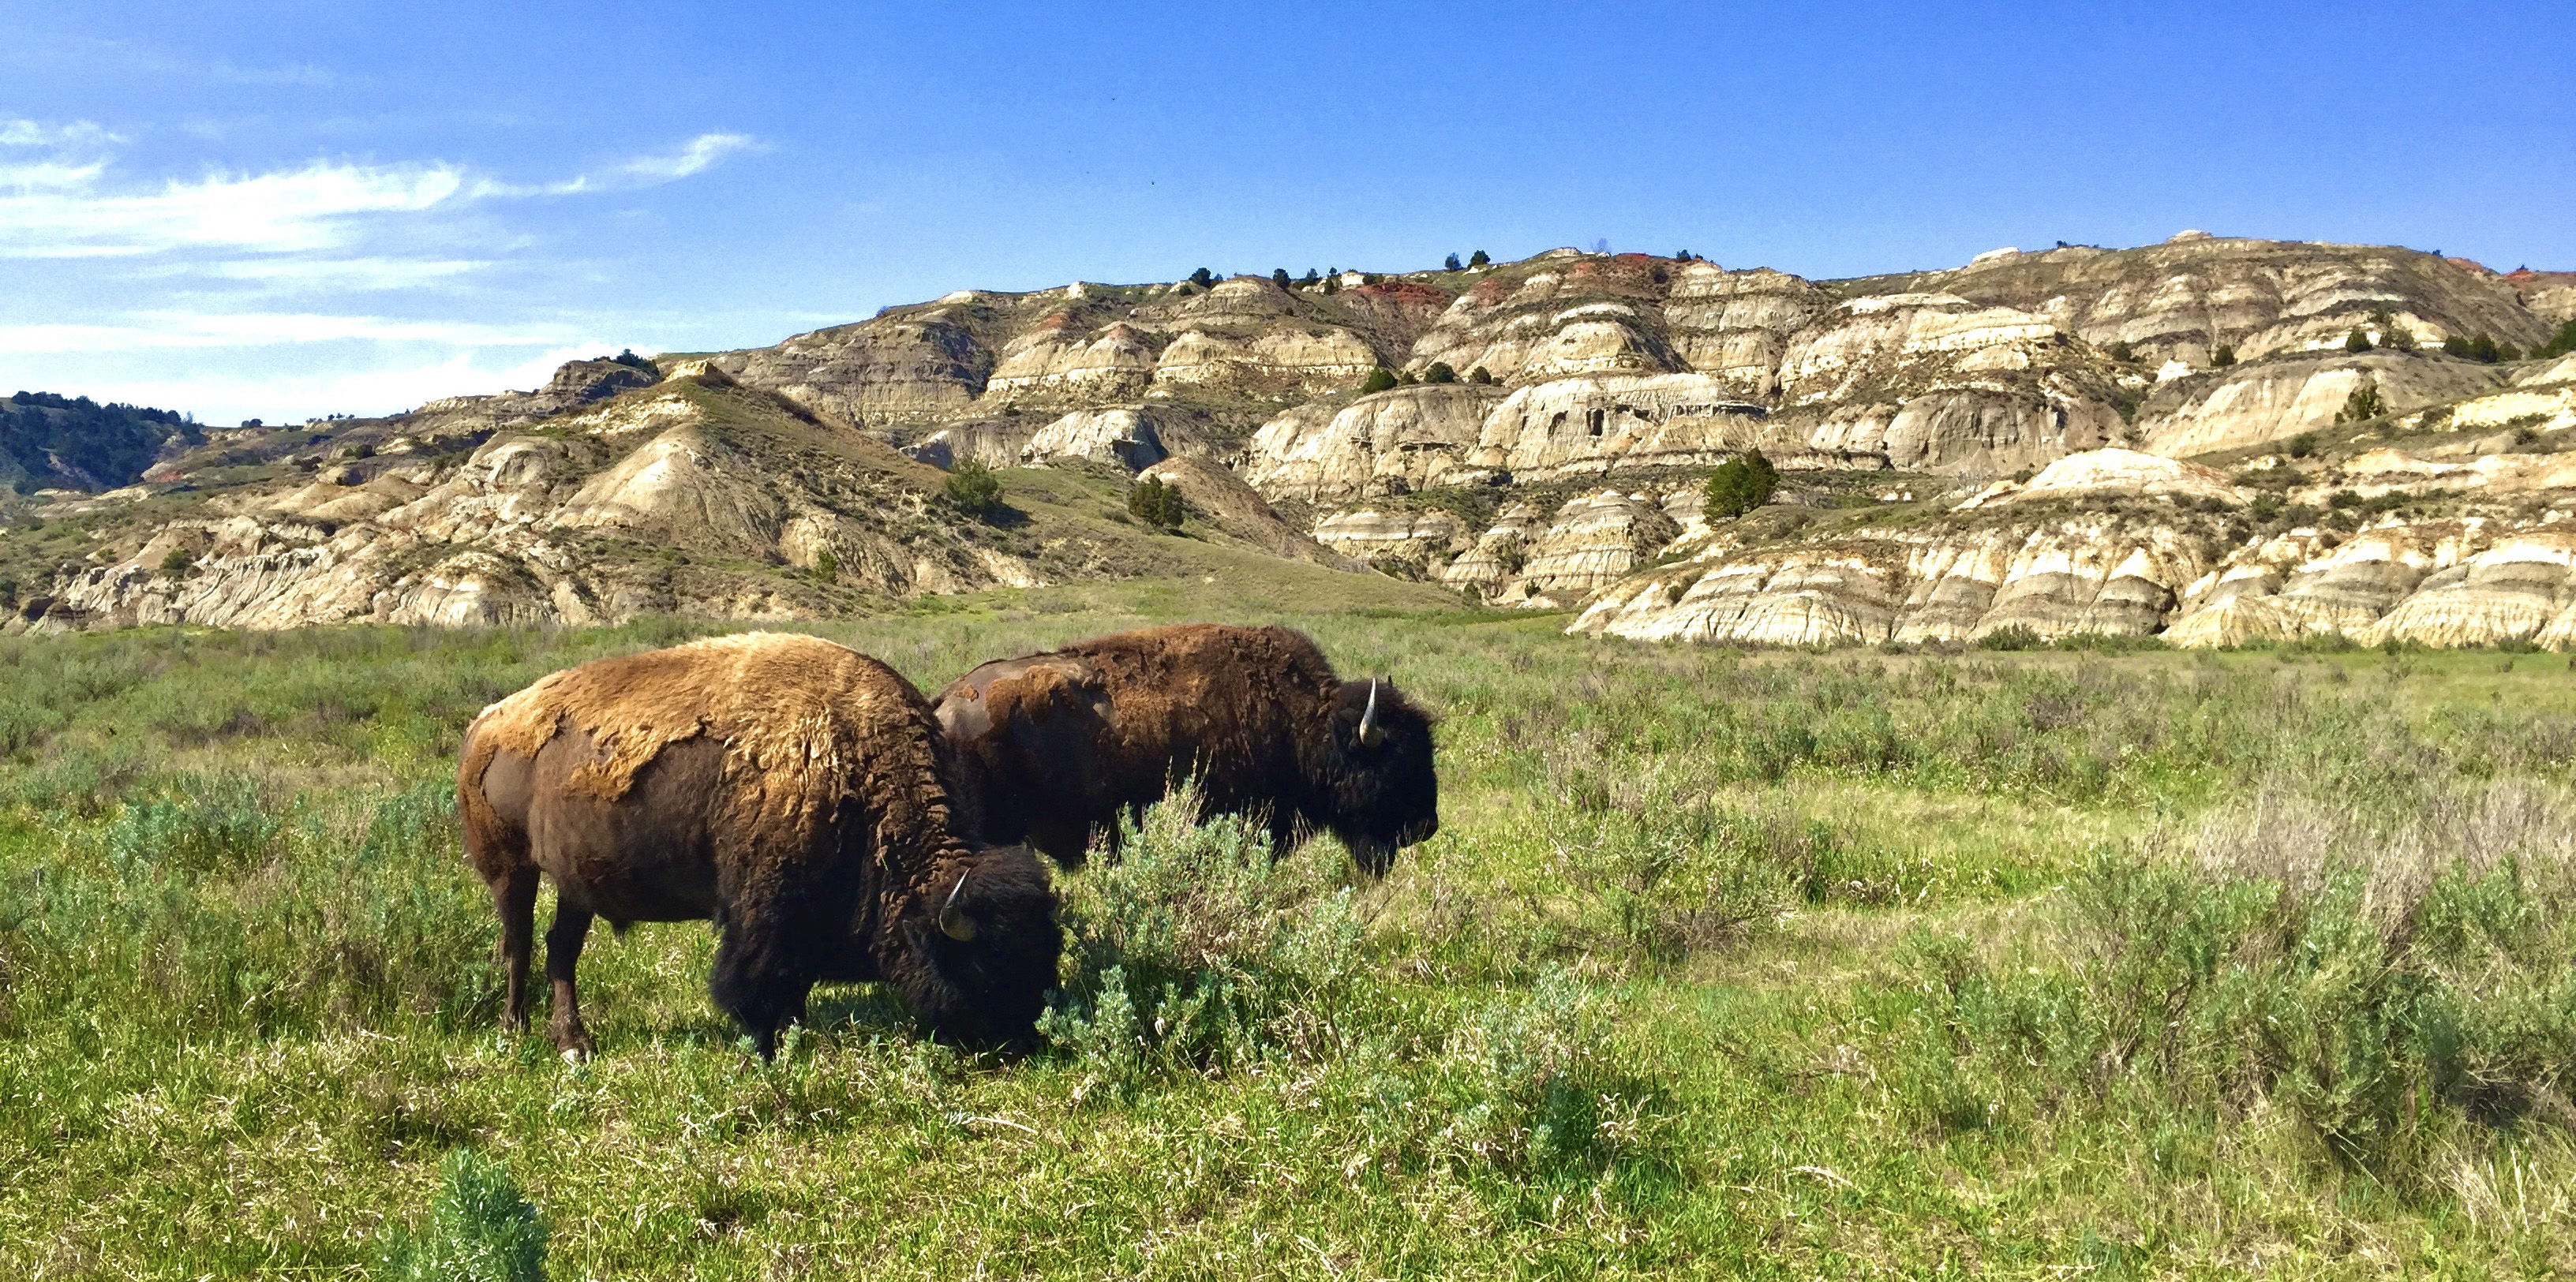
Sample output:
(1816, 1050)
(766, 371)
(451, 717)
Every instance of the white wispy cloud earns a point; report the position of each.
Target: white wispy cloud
(71, 135)
(305, 289)
(149, 331)
(694, 157)
(352, 274)
(63, 205)
(298, 210)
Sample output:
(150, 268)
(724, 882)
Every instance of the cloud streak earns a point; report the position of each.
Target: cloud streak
(59, 206)
(324, 286)
(302, 210)
(696, 156)
(152, 331)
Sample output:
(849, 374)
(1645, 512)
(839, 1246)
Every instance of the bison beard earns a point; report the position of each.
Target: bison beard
(787, 788)
(1054, 747)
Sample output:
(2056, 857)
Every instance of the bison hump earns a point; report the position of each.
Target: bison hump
(793, 708)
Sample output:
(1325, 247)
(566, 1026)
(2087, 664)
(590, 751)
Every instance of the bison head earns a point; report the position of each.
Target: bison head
(980, 951)
(1379, 790)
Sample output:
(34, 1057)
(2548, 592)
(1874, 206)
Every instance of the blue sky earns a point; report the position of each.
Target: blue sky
(290, 209)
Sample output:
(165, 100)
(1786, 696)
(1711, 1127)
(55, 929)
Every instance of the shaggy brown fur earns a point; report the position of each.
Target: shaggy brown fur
(788, 788)
(1053, 747)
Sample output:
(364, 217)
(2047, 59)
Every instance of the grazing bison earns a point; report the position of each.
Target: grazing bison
(788, 788)
(1052, 746)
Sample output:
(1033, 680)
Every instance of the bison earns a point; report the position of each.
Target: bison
(1052, 746)
(788, 788)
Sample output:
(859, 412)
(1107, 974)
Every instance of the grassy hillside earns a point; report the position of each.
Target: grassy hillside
(49, 440)
(2018, 964)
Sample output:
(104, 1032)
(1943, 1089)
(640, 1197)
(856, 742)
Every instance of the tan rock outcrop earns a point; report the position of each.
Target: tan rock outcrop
(1737, 325)
(1496, 559)
(2182, 298)
(2249, 405)
(2512, 591)
(2113, 473)
(923, 362)
(1407, 438)
(1123, 437)
(1286, 360)
(1591, 542)
(1390, 537)
(1598, 424)
(1051, 364)
(1809, 597)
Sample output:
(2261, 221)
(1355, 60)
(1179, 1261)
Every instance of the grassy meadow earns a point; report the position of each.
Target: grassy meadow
(2009, 964)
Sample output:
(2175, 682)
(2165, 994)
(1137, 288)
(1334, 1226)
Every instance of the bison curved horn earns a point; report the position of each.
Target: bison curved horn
(1369, 733)
(953, 921)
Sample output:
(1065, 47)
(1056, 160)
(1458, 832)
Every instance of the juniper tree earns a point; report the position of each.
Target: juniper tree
(1740, 485)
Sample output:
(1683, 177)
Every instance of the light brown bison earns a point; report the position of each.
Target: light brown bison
(1053, 747)
(788, 788)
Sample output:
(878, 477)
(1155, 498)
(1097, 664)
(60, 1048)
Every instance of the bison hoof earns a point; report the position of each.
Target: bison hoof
(575, 1044)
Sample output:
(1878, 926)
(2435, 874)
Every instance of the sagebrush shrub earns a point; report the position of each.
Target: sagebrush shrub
(481, 1229)
(1536, 1090)
(1194, 949)
(2393, 976)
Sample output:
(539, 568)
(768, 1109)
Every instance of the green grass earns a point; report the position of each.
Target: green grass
(2016, 964)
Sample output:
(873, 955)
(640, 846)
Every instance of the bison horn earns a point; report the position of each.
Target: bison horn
(953, 921)
(1369, 733)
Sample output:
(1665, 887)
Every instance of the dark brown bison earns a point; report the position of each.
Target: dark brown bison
(788, 788)
(1053, 747)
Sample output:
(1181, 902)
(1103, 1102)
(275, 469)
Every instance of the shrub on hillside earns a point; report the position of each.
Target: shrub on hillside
(2222, 356)
(1478, 259)
(972, 488)
(1440, 373)
(2361, 406)
(1451, 264)
(2560, 343)
(1740, 485)
(1379, 380)
(2393, 335)
(2356, 341)
(1481, 376)
(1155, 504)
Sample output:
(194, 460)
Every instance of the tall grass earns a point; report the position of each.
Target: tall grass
(2393, 979)
(1722, 962)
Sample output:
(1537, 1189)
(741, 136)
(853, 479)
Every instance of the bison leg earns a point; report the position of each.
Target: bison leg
(757, 980)
(514, 896)
(563, 953)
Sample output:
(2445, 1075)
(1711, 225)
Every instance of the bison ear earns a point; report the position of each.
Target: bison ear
(953, 921)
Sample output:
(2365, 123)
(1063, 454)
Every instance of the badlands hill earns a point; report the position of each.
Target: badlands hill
(2214, 440)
